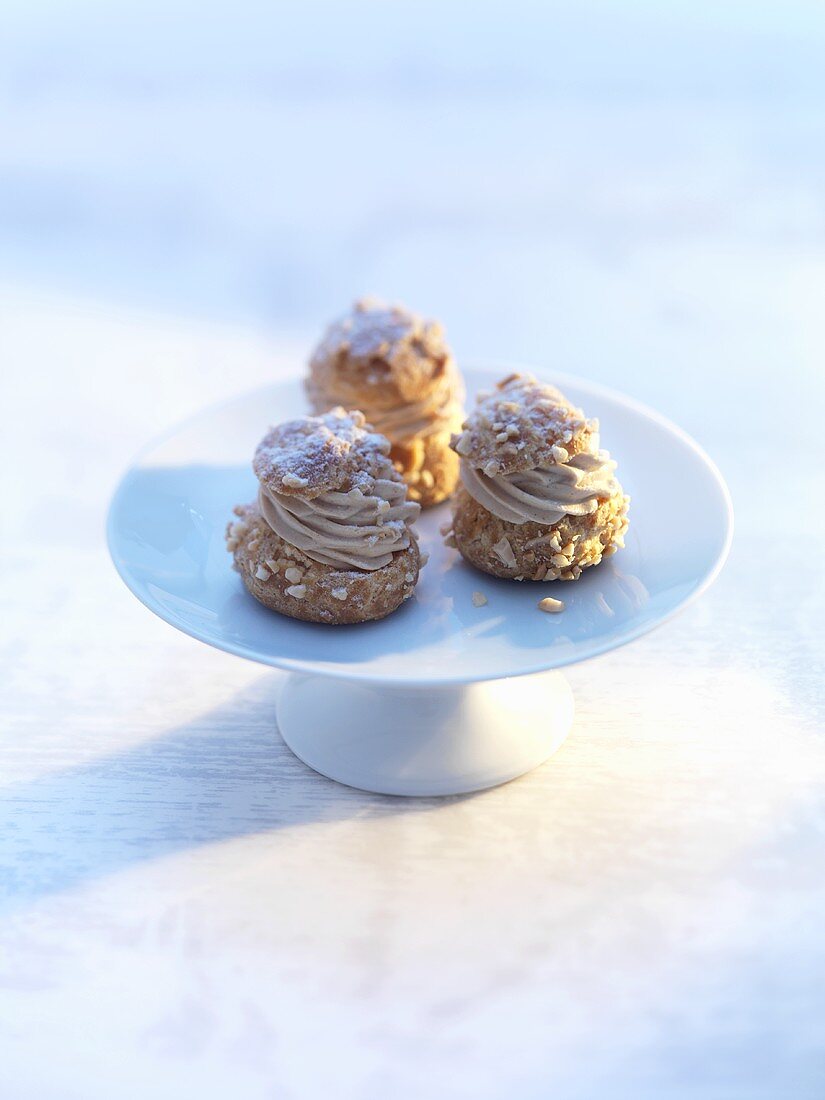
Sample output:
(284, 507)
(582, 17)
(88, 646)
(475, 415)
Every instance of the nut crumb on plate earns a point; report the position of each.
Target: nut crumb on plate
(551, 605)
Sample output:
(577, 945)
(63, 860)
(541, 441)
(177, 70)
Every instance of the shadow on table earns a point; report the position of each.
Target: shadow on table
(225, 775)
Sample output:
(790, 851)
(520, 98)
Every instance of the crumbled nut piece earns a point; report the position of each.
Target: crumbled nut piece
(271, 565)
(560, 559)
(262, 573)
(338, 593)
(297, 590)
(410, 456)
(445, 528)
(504, 551)
(409, 578)
(293, 575)
(450, 541)
(293, 481)
(479, 599)
(424, 558)
(532, 543)
(492, 468)
(560, 454)
(551, 605)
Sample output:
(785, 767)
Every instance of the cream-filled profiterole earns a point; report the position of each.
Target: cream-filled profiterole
(398, 370)
(330, 537)
(538, 499)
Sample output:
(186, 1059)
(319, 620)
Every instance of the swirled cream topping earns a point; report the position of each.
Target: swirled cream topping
(354, 530)
(544, 495)
(417, 419)
(441, 411)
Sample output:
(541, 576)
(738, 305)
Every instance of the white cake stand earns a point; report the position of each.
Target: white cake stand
(442, 696)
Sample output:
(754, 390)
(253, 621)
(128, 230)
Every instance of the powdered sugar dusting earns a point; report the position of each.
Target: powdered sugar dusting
(314, 454)
(384, 352)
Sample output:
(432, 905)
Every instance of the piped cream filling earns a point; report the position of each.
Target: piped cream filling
(352, 530)
(441, 411)
(545, 495)
(416, 420)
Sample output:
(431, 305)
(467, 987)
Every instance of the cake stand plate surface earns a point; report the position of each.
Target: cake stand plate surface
(410, 704)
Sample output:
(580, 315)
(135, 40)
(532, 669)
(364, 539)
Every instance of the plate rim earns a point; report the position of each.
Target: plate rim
(494, 369)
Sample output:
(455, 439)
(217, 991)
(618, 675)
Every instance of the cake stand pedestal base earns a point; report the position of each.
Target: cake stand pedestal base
(425, 740)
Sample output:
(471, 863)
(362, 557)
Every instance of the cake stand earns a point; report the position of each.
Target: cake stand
(441, 697)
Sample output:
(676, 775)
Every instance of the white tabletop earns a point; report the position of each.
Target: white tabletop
(186, 910)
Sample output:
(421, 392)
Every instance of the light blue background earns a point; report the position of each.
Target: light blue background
(625, 190)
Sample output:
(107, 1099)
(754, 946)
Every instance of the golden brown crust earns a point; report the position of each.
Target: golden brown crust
(429, 467)
(378, 356)
(311, 455)
(523, 425)
(284, 579)
(537, 552)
